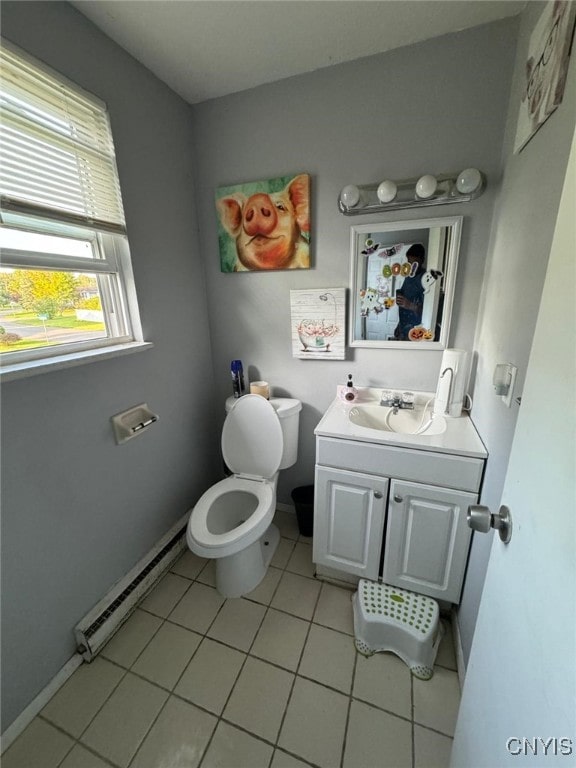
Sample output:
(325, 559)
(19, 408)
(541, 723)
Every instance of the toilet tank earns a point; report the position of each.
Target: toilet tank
(288, 410)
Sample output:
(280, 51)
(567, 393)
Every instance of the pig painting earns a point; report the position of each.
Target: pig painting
(265, 225)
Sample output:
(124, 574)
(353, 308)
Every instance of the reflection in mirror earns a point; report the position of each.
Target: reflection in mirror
(402, 278)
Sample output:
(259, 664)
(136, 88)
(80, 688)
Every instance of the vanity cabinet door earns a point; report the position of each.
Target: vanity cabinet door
(427, 539)
(349, 521)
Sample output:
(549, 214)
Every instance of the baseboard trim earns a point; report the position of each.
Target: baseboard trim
(36, 705)
(460, 663)
(338, 578)
(285, 507)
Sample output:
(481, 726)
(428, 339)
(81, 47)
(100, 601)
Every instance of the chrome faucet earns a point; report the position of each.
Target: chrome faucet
(395, 401)
(448, 401)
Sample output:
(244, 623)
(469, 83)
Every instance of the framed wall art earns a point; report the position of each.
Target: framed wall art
(318, 323)
(264, 225)
(546, 69)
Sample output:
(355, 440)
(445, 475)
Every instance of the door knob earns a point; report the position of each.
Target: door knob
(377, 495)
(481, 519)
(398, 499)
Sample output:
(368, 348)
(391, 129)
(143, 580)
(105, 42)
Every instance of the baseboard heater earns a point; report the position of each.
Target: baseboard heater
(107, 616)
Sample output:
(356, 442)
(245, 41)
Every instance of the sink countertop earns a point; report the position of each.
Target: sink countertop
(459, 438)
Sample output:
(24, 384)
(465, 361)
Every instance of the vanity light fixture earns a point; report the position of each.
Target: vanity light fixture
(412, 193)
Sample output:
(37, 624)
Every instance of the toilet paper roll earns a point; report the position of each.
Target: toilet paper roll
(452, 387)
(260, 388)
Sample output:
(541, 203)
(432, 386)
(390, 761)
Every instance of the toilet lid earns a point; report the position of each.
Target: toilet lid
(252, 442)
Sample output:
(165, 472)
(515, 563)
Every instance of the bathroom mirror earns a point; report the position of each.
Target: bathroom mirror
(402, 277)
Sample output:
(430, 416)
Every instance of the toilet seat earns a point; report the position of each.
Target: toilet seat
(207, 544)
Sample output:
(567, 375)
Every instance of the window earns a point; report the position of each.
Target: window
(66, 283)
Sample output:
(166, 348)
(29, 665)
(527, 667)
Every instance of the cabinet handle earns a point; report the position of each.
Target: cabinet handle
(377, 495)
(398, 499)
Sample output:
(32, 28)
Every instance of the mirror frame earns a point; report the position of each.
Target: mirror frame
(455, 223)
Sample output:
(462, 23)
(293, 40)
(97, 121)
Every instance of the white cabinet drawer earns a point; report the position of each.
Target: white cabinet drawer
(462, 473)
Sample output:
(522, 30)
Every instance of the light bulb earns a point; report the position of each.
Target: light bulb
(469, 181)
(350, 195)
(426, 186)
(386, 191)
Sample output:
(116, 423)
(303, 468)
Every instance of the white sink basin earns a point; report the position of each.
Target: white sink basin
(404, 421)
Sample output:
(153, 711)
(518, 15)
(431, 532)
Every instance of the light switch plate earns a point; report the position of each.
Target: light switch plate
(507, 399)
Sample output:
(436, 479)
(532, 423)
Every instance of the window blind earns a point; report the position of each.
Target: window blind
(56, 150)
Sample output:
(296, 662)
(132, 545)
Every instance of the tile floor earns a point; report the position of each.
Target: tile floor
(271, 680)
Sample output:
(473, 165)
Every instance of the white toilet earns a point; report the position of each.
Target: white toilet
(232, 521)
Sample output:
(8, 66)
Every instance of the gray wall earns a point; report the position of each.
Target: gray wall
(433, 107)
(525, 216)
(78, 510)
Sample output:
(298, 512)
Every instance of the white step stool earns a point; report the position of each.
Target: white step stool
(392, 619)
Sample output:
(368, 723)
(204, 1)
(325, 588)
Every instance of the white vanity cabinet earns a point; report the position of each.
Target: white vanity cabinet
(405, 504)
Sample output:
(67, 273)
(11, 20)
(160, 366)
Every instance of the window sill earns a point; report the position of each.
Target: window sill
(34, 367)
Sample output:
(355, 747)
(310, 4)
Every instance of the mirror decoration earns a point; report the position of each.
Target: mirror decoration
(402, 278)
(417, 192)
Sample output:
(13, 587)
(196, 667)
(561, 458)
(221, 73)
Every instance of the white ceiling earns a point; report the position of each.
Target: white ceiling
(204, 49)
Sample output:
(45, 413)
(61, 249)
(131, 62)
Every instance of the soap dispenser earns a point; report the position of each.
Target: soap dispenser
(349, 392)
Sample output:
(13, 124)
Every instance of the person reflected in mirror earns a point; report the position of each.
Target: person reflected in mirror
(410, 296)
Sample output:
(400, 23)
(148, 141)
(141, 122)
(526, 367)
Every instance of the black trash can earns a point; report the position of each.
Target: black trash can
(303, 499)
